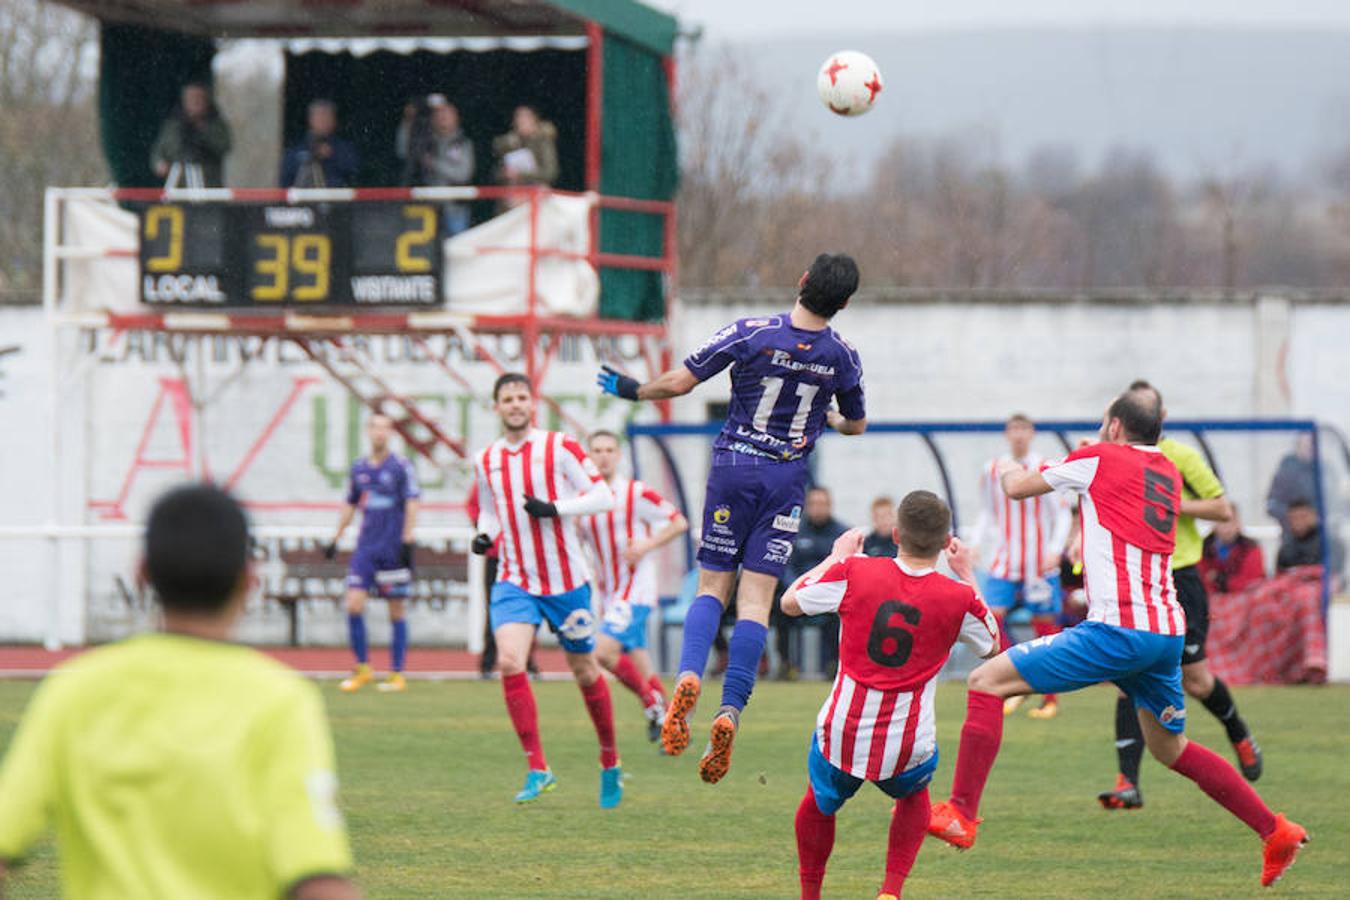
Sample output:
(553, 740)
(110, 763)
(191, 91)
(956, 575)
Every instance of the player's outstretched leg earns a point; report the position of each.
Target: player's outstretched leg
(356, 636)
(398, 649)
(909, 823)
(701, 624)
(1129, 752)
(1282, 838)
(815, 841)
(754, 599)
(595, 691)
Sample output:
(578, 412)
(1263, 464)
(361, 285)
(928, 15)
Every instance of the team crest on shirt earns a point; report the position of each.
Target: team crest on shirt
(792, 522)
(722, 515)
(578, 626)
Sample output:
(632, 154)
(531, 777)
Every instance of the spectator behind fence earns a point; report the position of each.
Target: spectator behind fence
(443, 157)
(816, 535)
(881, 541)
(1295, 479)
(528, 153)
(1302, 545)
(192, 143)
(1232, 561)
(322, 159)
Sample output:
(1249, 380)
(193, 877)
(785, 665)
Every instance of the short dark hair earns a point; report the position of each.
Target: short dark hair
(1301, 503)
(196, 548)
(819, 487)
(1021, 418)
(925, 523)
(883, 500)
(602, 433)
(827, 285)
(1141, 420)
(509, 378)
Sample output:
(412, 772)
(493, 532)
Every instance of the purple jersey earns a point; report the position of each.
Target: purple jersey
(382, 491)
(782, 381)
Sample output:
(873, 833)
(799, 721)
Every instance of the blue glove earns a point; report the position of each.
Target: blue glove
(611, 381)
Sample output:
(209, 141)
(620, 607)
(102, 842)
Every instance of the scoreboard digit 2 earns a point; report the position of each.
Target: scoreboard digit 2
(310, 256)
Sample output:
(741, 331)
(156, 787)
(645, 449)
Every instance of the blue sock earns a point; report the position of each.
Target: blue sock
(700, 628)
(356, 633)
(743, 652)
(399, 648)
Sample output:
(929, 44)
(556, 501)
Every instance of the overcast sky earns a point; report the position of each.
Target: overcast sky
(741, 19)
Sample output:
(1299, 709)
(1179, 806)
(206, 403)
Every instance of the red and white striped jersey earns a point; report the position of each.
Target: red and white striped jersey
(1024, 530)
(638, 513)
(541, 556)
(897, 626)
(1129, 497)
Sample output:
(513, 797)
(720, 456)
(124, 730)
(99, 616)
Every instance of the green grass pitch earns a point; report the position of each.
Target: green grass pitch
(428, 778)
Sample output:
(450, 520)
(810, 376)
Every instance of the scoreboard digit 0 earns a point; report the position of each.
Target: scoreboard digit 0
(312, 256)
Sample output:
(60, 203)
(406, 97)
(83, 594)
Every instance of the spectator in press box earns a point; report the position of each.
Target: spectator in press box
(1232, 561)
(322, 159)
(192, 143)
(528, 153)
(443, 157)
(1302, 544)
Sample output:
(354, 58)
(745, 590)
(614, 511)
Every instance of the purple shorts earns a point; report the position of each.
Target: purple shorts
(381, 574)
(751, 513)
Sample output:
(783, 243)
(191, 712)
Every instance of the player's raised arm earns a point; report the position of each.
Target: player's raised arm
(659, 513)
(675, 383)
(802, 598)
(1019, 483)
(593, 494)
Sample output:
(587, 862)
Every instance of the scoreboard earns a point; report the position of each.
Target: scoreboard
(311, 256)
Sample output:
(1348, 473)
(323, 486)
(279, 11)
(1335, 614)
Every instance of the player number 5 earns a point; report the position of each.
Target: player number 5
(1158, 511)
(888, 644)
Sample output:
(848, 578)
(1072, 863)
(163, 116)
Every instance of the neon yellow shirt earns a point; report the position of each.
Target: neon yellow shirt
(175, 767)
(1198, 482)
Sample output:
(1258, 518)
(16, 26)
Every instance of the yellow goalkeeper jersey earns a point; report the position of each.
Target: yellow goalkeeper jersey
(175, 767)
(1198, 482)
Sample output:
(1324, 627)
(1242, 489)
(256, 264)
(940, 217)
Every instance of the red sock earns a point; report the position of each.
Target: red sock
(1221, 781)
(524, 716)
(980, 737)
(658, 689)
(1004, 641)
(602, 715)
(909, 825)
(1045, 629)
(627, 673)
(815, 840)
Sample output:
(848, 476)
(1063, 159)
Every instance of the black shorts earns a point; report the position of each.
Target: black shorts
(1195, 604)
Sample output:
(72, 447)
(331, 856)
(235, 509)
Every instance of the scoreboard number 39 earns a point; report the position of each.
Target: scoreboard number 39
(228, 254)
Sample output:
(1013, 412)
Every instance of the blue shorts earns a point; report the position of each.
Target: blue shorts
(751, 514)
(380, 574)
(569, 614)
(627, 624)
(833, 787)
(1040, 596)
(1146, 666)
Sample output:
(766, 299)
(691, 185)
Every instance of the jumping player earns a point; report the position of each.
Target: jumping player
(785, 371)
(531, 484)
(1028, 536)
(1129, 495)
(1202, 497)
(898, 619)
(623, 540)
(384, 486)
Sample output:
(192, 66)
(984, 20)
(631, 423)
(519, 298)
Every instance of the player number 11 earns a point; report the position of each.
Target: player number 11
(773, 386)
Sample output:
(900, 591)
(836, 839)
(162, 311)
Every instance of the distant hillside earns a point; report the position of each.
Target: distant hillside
(1200, 99)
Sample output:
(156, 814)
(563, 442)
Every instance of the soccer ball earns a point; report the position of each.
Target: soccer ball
(849, 82)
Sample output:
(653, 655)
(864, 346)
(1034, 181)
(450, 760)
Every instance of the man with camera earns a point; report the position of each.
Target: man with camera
(322, 159)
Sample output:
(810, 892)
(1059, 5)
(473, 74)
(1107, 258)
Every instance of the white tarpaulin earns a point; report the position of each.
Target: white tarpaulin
(486, 268)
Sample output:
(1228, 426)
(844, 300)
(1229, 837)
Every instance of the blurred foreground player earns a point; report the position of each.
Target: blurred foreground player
(623, 539)
(1129, 497)
(785, 372)
(1028, 537)
(176, 764)
(1202, 497)
(899, 619)
(384, 486)
(532, 484)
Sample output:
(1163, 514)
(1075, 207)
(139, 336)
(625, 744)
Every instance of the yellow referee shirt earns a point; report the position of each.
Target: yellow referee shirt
(1198, 482)
(178, 768)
